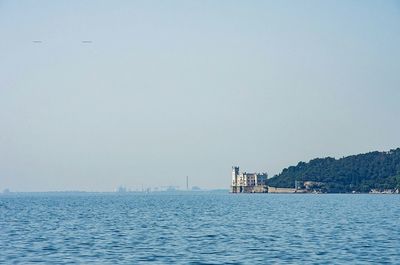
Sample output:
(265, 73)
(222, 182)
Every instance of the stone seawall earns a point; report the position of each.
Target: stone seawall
(280, 190)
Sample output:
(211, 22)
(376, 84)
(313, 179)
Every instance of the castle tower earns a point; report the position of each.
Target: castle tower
(235, 173)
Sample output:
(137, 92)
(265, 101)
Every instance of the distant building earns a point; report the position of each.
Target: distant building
(121, 189)
(313, 185)
(243, 182)
(298, 185)
(172, 188)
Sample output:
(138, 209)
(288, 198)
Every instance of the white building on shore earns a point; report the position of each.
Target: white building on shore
(243, 182)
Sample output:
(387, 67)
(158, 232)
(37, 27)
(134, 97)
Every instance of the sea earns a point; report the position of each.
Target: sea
(199, 228)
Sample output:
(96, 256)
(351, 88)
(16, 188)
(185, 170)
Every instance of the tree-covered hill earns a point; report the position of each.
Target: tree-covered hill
(361, 173)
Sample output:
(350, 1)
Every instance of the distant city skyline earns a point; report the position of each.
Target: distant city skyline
(98, 95)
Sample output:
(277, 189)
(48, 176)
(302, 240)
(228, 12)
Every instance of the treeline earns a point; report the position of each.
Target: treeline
(360, 173)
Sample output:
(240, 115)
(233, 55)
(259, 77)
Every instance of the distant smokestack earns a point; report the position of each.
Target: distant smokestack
(187, 183)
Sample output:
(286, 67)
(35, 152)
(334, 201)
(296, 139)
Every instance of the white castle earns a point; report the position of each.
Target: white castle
(244, 182)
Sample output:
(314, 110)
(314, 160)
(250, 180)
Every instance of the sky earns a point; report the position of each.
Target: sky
(169, 89)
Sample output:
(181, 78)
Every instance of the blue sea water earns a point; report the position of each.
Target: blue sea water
(199, 228)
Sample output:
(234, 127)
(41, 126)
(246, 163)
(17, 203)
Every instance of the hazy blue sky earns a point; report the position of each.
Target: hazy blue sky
(174, 88)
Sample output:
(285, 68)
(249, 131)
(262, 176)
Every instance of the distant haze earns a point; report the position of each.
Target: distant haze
(94, 95)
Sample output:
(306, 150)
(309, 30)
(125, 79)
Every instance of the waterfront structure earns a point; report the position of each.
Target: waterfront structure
(298, 185)
(243, 182)
(282, 190)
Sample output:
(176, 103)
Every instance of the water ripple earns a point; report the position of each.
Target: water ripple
(199, 228)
